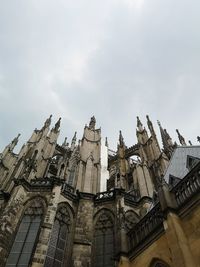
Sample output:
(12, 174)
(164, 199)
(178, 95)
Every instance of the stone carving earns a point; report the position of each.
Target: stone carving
(9, 214)
(130, 220)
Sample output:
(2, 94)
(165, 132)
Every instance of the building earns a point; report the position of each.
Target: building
(52, 212)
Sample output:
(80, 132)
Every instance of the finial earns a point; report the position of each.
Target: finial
(47, 122)
(138, 121)
(149, 121)
(73, 143)
(79, 143)
(15, 140)
(150, 125)
(57, 125)
(139, 124)
(106, 142)
(64, 144)
(181, 138)
(121, 139)
(92, 123)
(159, 124)
(74, 137)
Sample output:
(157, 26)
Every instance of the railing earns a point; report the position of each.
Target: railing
(40, 182)
(133, 196)
(152, 221)
(187, 187)
(107, 195)
(67, 188)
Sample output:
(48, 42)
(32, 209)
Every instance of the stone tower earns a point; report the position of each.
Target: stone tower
(88, 179)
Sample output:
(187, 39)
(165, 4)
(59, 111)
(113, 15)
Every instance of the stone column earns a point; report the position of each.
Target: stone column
(82, 249)
(122, 242)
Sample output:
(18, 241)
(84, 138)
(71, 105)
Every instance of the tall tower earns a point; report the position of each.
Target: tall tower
(89, 171)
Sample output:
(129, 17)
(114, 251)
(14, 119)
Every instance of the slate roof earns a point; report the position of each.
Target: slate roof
(178, 165)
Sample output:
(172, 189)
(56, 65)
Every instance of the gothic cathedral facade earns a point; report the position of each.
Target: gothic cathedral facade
(53, 212)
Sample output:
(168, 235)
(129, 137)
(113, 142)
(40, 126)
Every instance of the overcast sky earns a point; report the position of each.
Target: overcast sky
(114, 59)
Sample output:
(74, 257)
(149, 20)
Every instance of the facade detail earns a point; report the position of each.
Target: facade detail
(54, 214)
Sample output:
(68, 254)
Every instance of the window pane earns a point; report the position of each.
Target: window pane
(21, 236)
(28, 247)
(49, 262)
(57, 244)
(24, 258)
(61, 244)
(104, 242)
(24, 226)
(12, 259)
(63, 231)
(22, 248)
(17, 246)
(34, 226)
(51, 251)
(57, 263)
(59, 254)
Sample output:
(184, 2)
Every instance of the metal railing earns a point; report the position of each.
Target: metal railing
(107, 195)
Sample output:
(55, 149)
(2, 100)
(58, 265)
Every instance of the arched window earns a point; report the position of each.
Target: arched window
(104, 241)
(59, 238)
(25, 240)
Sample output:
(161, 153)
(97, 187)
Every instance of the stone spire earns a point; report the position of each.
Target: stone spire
(10, 147)
(57, 125)
(181, 138)
(166, 140)
(14, 142)
(73, 143)
(47, 122)
(150, 126)
(121, 139)
(106, 142)
(92, 123)
(139, 124)
(65, 144)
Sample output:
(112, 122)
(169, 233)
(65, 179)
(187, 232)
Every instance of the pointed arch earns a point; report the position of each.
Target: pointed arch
(60, 236)
(156, 262)
(103, 246)
(26, 237)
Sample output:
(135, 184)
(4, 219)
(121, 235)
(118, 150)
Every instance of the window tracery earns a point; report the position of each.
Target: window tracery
(104, 241)
(59, 236)
(25, 239)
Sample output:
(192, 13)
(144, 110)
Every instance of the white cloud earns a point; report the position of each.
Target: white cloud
(115, 59)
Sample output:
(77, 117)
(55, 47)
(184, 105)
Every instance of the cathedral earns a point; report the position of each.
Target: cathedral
(59, 209)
